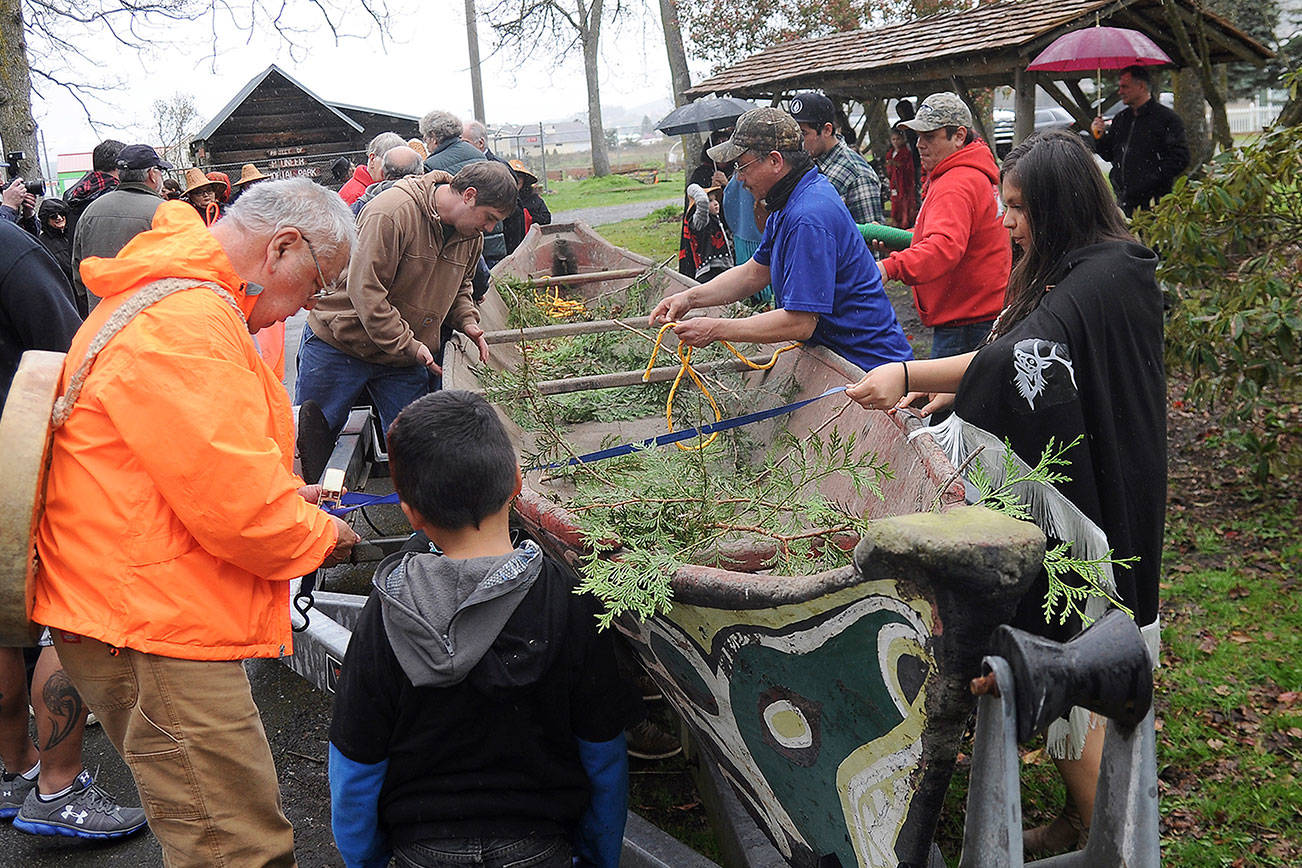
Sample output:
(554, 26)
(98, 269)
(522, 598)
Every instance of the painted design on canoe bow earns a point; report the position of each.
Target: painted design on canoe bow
(823, 744)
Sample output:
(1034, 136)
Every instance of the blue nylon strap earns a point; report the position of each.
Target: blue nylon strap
(686, 434)
(354, 500)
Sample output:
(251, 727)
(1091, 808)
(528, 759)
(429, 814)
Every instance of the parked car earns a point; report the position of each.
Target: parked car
(1046, 118)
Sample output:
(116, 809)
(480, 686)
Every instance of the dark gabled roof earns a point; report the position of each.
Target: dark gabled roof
(981, 46)
(212, 126)
(345, 107)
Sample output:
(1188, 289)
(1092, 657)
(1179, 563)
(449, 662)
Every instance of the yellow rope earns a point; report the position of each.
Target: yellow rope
(556, 307)
(685, 367)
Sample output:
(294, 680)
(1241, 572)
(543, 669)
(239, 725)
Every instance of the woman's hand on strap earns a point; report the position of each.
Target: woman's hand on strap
(882, 388)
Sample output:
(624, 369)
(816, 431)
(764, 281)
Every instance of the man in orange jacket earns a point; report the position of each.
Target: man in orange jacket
(173, 518)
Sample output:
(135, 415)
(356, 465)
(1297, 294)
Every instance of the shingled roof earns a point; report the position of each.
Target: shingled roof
(980, 47)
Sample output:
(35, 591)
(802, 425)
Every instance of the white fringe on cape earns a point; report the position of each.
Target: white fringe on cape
(1059, 518)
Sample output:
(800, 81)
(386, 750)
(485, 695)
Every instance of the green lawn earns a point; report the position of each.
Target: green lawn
(1229, 699)
(611, 190)
(655, 235)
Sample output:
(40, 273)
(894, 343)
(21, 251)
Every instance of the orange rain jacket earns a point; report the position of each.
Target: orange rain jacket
(172, 518)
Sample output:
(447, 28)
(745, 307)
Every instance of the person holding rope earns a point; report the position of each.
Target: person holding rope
(827, 289)
(1076, 352)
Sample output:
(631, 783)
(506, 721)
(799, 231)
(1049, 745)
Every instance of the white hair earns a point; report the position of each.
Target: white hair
(400, 162)
(317, 212)
(383, 143)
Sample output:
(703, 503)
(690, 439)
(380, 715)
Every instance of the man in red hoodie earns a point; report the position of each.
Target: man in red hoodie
(960, 257)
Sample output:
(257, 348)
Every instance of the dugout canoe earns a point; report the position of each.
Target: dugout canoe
(831, 704)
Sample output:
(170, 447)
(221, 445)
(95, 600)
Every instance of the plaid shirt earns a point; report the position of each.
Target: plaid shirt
(856, 181)
(92, 186)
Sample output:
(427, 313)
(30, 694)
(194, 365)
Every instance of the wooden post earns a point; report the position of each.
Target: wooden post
(978, 122)
(634, 378)
(877, 126)
(560, 330)
(472, 39)
(1024, 87)
(585, 277)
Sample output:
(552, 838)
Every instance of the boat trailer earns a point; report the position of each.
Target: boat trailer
(1027, 683)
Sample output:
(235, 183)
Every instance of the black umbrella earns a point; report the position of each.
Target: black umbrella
(704, 116)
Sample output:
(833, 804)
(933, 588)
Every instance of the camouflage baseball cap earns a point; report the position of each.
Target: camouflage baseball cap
(942, 109)
(760, 130)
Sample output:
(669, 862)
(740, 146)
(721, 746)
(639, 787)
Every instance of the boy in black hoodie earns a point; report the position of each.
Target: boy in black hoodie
(479, 713)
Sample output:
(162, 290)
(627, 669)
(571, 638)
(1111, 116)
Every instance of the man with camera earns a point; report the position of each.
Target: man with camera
(18, 203)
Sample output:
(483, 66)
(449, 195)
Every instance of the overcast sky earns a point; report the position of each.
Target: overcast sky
(424, 66)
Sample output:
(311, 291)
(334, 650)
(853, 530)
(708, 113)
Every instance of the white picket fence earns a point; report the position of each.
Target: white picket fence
(1251, 117)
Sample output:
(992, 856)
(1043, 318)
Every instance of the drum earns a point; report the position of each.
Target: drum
(25, 432)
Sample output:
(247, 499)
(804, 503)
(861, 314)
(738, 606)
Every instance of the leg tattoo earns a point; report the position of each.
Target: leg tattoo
(64, 705)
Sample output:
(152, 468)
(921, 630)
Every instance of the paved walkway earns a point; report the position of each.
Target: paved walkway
(613, 213)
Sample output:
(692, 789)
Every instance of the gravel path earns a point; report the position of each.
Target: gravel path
(613, 213)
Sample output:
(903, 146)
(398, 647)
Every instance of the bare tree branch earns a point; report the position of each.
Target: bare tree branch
(74, 90)
(560, 25)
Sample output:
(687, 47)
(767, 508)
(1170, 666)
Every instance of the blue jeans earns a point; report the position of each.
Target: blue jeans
(335, 380)
(548, 852)
(957, 340)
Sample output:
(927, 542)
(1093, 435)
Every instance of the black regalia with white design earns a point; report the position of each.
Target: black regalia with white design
(1088, 361)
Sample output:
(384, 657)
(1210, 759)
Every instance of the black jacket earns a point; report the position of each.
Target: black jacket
(1148, 150)
(493, 754)
(1088, 361)
(57, 241)
(513, 228)
(36, 311)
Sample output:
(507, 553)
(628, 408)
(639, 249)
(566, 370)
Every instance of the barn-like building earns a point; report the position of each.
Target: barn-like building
(286, 130)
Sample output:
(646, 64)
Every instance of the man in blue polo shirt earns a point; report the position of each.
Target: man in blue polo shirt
(827, 289)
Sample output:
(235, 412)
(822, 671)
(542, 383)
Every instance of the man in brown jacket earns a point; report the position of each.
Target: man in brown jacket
(418, 244)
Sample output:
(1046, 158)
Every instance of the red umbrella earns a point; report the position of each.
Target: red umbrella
(1099, 48)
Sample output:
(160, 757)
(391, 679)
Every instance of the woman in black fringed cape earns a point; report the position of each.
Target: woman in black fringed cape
(1077, 351)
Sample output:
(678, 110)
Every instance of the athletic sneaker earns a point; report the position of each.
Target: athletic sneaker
(87, 811)
(12, 793)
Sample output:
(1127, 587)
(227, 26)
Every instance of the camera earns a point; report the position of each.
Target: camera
(35, 186)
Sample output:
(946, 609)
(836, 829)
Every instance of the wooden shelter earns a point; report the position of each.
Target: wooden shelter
(286, 130)
(987, 45)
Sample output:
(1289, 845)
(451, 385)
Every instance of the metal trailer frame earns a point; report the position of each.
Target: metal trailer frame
(320, 645)
(1126, 824)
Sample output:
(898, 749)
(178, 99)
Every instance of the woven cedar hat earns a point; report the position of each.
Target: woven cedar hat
(248, 174)
(520, 168)
(196, 181)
